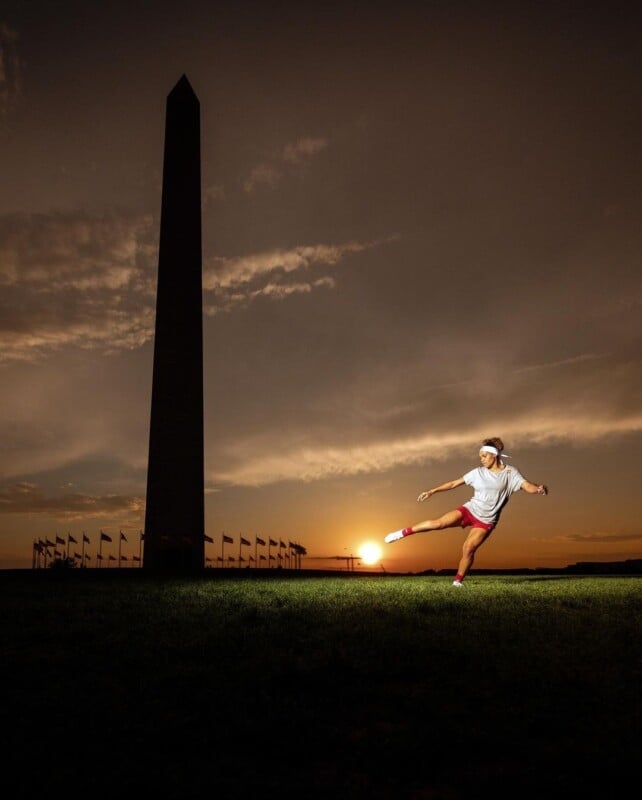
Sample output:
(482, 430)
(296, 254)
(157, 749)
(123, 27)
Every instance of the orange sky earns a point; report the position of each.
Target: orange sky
(421, 228)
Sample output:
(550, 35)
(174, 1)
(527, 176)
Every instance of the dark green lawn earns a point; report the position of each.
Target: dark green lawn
(333, 687)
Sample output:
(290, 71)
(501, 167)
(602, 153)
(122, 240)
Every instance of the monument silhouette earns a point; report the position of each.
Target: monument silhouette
(174, 512)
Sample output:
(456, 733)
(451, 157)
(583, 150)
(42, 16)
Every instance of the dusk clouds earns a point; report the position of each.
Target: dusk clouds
(89, 281)
(74, 280)
(26, 498)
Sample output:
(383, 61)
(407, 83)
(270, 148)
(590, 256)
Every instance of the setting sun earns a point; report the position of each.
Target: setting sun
(370, 553)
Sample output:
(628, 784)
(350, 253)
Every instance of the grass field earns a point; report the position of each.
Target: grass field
(333, 687)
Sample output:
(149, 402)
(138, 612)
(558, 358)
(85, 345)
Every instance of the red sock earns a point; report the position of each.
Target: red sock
(407, 531)
(459, 577)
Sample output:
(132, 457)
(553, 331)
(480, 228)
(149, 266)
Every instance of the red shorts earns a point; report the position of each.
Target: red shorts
(467, 519)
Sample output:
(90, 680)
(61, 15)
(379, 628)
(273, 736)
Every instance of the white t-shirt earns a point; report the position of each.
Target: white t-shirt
(492, 490)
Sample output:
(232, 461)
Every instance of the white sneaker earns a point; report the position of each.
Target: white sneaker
(458, 583)
(394, 536)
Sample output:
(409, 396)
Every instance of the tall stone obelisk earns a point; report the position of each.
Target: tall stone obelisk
(174, 513)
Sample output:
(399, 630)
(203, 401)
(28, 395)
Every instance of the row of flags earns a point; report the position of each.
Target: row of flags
(104, 537)
(40, 543)
(87, 556)
(44, 549)
(242, 559)
(42, 552)
(257, 540)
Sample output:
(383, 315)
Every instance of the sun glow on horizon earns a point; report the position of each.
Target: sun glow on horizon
(370, 553)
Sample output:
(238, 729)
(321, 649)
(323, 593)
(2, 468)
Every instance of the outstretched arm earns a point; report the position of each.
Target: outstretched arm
(443, 488)
(534, 488)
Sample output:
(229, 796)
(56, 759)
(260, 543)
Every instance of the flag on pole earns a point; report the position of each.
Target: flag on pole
(49, 544)
(70, 538)
(123, 538)
(282, 543)
(60, 540)
(273, 543)
(85, 538)
(208, 538)
(228, 539)
(244, 541)
(104, 537)
(112, 558)
(260, 541)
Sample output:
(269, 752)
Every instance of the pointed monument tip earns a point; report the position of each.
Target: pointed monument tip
(183, 86)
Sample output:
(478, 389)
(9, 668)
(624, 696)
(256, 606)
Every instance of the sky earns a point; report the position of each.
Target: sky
(421, 228)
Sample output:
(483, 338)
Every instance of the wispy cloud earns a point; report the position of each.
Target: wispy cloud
(309, 462)
(233, 280)
(294, 155)
(213, 193)
(600, 537)
(27, 498)
(263, 175)
(279, 291)
(297, 152)
(225, 273)
(566, 362)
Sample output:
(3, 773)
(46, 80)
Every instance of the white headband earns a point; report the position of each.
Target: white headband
(487, 448)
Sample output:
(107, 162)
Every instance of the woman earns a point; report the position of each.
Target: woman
(494, 482)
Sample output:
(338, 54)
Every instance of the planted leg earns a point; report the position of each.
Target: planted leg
(473, 541)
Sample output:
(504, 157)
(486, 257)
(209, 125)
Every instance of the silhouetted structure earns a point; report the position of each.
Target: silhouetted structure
(174, 515)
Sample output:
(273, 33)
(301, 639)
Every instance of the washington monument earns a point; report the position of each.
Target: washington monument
(174, 513)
